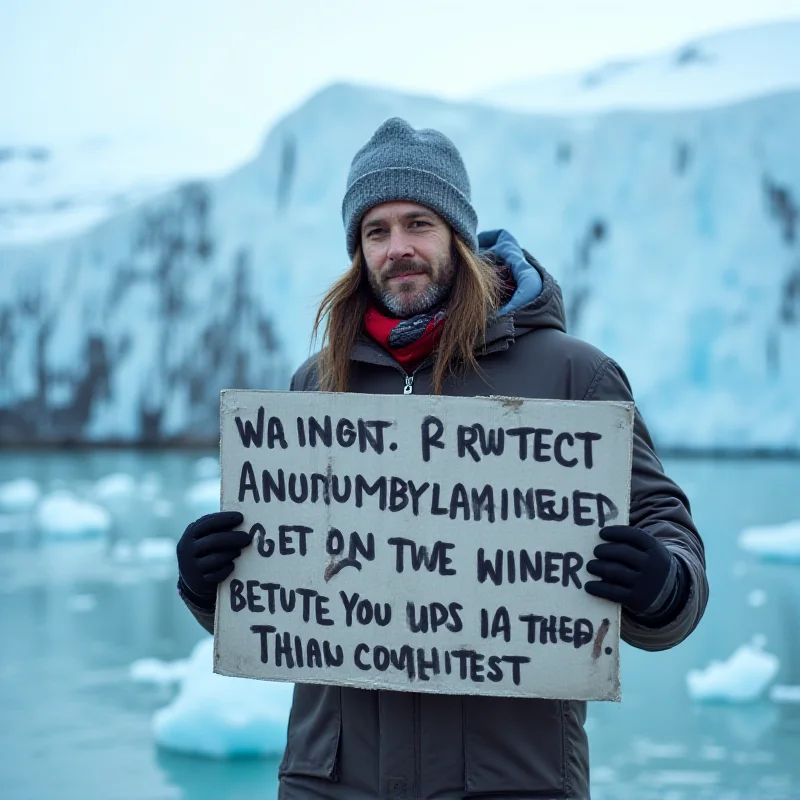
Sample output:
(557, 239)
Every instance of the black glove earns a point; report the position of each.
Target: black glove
(635, 570)
(206, 552)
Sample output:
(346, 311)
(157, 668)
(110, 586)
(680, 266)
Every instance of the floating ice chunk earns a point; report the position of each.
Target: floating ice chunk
(776, 542)
(206, 467)
(161, 673)
(117, 486)
(740, 679)
(204, 495)
(757, 598)
(785, 694)
(19, 495)
(221, 717)
(61, 516)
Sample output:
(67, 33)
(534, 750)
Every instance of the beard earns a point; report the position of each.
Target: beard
(406, 301)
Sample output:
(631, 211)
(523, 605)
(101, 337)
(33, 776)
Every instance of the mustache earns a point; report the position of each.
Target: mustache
(406, 267)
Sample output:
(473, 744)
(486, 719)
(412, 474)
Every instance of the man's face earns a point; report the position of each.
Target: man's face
(407, 249)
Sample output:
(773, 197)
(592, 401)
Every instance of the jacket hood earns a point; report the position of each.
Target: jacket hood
(535, 300)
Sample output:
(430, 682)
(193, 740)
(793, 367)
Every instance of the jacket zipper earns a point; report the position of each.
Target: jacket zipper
(408, 388)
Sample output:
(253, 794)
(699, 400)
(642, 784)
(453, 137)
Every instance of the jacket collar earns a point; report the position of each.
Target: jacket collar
(499, 335)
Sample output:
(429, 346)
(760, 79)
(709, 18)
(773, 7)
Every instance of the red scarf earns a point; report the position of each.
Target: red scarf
(409, 341)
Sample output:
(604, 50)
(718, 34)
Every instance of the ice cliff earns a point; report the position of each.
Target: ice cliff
(675, 236)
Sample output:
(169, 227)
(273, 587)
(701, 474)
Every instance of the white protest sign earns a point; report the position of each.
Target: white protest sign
(422, 543)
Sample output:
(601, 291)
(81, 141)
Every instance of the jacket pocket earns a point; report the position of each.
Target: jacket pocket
(312, 741)
(514, 745)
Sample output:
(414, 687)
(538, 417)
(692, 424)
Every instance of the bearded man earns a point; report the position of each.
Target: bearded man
(427, 306)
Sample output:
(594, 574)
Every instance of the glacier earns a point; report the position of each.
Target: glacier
(675, 236)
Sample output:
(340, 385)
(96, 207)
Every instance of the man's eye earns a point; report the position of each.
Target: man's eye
(420, 223)
(373, 232)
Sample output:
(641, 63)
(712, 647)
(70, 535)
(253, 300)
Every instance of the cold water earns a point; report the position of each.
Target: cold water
(75, 614)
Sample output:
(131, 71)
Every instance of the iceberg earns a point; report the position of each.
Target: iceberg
(62, 516)
(19, 495)
(773, 542)
(216, 716)
(741, 679)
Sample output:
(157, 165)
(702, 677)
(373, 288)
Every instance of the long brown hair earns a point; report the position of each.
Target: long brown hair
(475, 294)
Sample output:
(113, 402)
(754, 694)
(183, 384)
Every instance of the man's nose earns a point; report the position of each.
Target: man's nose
(400, 246)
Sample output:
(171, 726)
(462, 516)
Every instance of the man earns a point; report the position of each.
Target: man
(425, 307)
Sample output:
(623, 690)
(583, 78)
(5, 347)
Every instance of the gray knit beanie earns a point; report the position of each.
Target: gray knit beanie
(400, 163)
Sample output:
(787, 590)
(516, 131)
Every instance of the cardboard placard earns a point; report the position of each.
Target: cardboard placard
(422, 543)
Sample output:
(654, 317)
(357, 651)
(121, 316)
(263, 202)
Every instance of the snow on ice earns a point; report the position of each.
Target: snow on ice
(213, 715)
(741, 679)
(773, 542)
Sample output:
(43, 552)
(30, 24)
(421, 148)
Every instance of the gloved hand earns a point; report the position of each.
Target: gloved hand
(206, 553)
(635, 570)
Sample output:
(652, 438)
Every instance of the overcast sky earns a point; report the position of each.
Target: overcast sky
(79, 67)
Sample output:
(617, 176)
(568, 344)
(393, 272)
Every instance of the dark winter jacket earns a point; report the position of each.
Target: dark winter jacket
(359, 744)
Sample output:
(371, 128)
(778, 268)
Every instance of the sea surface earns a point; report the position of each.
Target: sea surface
(73, 617)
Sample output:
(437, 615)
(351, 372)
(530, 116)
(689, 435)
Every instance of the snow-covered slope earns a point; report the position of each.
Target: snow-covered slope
(711, 71)
(676, 237)
(61, 188)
